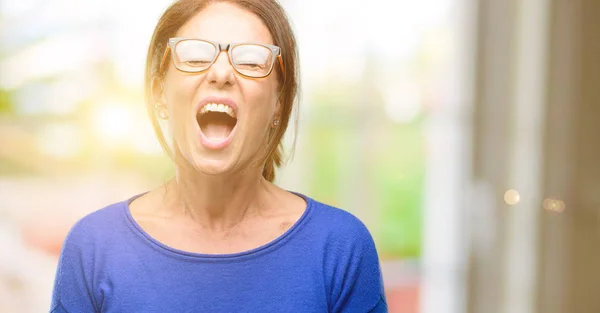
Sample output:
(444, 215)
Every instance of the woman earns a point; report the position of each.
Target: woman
(220, 236)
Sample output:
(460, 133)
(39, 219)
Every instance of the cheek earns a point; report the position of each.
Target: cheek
(179, 93)
(263, 98)
(263, 112)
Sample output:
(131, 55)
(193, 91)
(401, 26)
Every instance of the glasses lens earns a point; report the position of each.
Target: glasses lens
(252, 60)
(194, 55)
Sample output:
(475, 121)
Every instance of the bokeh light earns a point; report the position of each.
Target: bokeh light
(554, 205)
(512, 197)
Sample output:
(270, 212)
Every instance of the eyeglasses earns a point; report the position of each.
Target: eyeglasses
(253, 60)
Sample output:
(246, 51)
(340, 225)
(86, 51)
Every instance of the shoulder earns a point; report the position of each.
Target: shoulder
(340, 224)
(351, 266)
(341, 233)
(96, 225)
(83, 252)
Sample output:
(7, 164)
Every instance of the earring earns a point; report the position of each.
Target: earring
(275, 123)
(162, 112)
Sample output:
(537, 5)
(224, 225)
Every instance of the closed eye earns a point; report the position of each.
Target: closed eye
(250, 66)
(197, 63)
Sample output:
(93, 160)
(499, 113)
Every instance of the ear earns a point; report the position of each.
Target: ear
(278, 108)
(156, 86)
(275, 119)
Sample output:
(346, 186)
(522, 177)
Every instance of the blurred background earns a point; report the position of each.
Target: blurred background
(464, 133)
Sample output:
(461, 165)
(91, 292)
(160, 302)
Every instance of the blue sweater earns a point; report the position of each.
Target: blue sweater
(326, 262)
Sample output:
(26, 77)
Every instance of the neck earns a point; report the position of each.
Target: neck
(218, 202)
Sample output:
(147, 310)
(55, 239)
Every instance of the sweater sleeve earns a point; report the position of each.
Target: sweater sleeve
(359, 283)
(73, 289)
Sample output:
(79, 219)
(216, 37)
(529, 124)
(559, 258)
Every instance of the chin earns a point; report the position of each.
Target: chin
(212, 166)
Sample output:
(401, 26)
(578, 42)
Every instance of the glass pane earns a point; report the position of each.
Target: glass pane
(194, 55)
(252, 60)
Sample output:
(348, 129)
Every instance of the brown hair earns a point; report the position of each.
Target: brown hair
(274, 17)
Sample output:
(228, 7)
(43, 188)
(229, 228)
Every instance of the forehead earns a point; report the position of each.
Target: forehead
(226, 23)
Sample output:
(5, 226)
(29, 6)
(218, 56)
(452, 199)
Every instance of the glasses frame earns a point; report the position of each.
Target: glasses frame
(220, 47)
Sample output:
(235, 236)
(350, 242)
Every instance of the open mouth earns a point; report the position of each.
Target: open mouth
(216, 121)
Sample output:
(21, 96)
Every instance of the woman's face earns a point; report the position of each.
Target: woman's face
(214, 143)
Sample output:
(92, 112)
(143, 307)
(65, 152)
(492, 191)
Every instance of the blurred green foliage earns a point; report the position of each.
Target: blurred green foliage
(6, 107)
(359, 154)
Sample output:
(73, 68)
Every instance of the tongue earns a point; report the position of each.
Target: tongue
(216, 126)
(216, 131)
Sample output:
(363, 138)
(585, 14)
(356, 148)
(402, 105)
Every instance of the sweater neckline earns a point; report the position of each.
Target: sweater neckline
(271, 245)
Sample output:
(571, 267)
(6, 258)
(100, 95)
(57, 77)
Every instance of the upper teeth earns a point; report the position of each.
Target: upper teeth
(217, 107)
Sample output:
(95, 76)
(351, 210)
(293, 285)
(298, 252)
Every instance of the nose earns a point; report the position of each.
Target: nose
(221, 73)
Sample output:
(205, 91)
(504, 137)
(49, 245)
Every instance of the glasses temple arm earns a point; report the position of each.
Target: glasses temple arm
(164, 58)
(281, 63)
